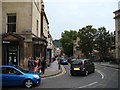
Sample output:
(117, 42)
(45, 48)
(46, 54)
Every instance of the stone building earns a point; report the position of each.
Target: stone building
(0, 32)
(117, 32)
(76, 50)
(23, 31)
(49, 48)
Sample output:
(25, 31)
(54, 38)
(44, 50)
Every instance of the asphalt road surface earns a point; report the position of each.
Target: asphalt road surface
(104, 77)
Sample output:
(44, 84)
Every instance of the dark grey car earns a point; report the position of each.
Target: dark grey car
(82, 66)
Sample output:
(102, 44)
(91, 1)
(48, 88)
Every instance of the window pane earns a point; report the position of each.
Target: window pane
(11, 28)
(11, 19)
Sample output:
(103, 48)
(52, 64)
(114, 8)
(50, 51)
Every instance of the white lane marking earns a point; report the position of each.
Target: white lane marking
(88, 85)
(100, 73)
(63, 72)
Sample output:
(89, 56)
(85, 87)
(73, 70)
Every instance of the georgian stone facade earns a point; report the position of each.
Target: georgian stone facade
(0, 32)
(23, 31)
(117, 32)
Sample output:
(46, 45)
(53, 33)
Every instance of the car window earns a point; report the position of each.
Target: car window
(86, 62)
(9, 70)
(22, 69)
(5, 70)
(77, 62)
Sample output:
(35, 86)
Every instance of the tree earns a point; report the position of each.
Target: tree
(104, 41)
(86, 42)
(67, 40)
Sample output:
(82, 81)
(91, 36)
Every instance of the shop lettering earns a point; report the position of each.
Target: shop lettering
(6, 42)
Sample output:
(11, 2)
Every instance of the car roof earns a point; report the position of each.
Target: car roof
(7, 65)
(80, 59)
(84, 59)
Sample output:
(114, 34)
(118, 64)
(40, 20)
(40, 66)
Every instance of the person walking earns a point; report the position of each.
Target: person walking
(32, 64)
(43, 65)
(36, 65)
(29, 63)
(59, 64)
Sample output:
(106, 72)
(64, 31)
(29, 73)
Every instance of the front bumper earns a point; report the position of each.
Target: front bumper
(37, 82)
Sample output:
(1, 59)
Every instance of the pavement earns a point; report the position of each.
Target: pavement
(108, 64)
(53, 69)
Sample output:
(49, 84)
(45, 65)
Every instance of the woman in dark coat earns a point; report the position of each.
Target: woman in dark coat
(43, 65)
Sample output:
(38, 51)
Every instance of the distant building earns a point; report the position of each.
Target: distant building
(76, 50)
(58, 47)
(117, 31)
(57, 43)
(49, 48)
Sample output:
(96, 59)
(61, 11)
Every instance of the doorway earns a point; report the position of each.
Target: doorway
(13, 54)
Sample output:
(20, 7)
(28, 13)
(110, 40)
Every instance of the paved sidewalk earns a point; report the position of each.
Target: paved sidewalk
(52, 70)
(108, 64)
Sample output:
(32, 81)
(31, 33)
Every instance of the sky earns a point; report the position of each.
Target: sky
(75, 14)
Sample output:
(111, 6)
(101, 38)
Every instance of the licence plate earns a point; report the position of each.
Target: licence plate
(76, 68)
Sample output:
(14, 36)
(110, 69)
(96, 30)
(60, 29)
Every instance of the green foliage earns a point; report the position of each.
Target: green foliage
(67, 40)
(86, 42)
(104, 41)
(89, 39)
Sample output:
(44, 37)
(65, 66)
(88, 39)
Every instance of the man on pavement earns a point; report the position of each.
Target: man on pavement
(43, 65)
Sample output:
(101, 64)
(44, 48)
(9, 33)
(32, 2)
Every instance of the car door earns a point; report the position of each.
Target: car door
(0, 76)
(10, 78)
(89, 66)
(92, 66)
(86, 65)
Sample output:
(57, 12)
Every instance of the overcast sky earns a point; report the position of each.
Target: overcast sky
(75, 14)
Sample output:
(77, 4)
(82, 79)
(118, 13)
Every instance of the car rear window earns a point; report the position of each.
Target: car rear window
(77, 62)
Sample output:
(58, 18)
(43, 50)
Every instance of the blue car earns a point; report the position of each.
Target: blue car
(17, 76)
(63, 62)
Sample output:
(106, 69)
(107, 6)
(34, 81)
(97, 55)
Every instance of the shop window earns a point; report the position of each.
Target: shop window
(11, 22)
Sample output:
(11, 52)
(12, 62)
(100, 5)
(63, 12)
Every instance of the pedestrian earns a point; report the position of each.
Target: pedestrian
(36, 65)
(43, 65)
(29, 63)
(59, 64)
(39, 65)
(32, 64)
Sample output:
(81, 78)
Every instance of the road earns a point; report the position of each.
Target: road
(104, 77)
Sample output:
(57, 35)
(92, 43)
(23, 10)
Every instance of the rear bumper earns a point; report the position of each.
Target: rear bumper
(77, 72)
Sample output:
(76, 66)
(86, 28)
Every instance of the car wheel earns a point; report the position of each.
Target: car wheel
(86, 73)
(28, 83)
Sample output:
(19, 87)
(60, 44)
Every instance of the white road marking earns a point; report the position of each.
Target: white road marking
(100, 73)
(88, 85)
(63, 72)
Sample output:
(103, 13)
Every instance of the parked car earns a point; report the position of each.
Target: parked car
(17, 76)
(81, 66)
(63, 62)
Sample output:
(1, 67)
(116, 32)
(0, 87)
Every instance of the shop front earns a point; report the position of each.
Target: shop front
(11, 45)
(39, 48)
